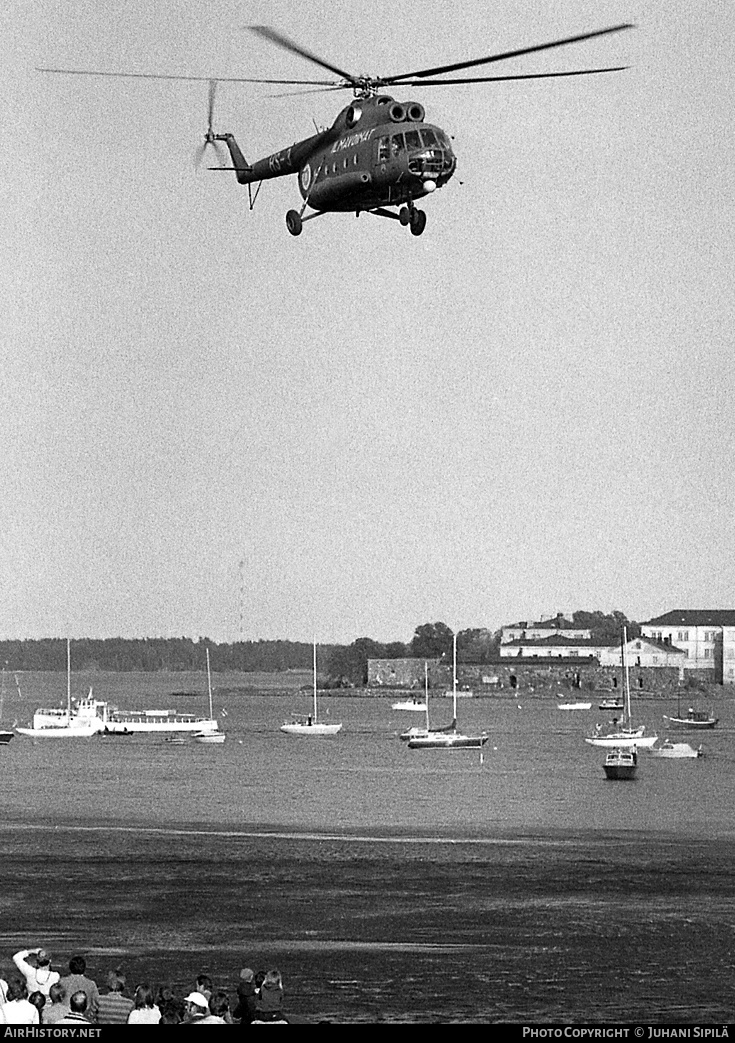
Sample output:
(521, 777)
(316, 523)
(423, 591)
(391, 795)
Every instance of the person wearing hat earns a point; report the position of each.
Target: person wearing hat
(38, 974)
(196, 1008)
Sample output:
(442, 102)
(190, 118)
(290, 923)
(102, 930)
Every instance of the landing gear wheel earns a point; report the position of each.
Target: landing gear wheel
(418, 222)
(294, 222)
(404, 216)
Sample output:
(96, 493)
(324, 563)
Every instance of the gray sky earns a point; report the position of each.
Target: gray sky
(528, 409)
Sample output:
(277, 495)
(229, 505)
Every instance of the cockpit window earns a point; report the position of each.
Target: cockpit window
(428, 137)
(413, 139)
(397, 144)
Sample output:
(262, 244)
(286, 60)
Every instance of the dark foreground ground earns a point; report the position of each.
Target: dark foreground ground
(545, 928)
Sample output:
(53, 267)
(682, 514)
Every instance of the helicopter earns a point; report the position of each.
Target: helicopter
(380, 155)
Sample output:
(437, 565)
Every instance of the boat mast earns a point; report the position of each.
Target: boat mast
(454, 682)
(68, 678)
(626, 678)
(426, 693)
(209, 686)
(314, 682)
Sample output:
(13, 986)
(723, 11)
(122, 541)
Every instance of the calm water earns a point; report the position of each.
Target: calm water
(537, 772)
(389, 884)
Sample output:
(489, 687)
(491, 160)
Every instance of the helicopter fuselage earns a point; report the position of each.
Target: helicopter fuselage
(378, 153)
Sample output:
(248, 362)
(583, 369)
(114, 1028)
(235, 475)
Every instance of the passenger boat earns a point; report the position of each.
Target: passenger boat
(574, 706)
(309, 724)
(621, 763)
(164, 722)
(445, 738)
(79, 720)
(209, 736)
(673, 750)
(623, 734)
(611, 704)
(130, 722)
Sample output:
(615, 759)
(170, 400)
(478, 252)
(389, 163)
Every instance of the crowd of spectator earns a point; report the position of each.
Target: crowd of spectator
(40, 995)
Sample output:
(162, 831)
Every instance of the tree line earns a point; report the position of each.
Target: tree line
(338, 664)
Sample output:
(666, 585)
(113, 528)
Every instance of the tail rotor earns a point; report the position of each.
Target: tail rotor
(210, 140)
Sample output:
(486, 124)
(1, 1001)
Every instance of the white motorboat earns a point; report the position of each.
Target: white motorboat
(574, 706)
(623, 733)
(676, 750)
(417, 705)
(79, 720)
(211, 736)
(445, 738)
(309, 724)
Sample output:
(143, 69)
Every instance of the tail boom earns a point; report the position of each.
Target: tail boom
(279, 164)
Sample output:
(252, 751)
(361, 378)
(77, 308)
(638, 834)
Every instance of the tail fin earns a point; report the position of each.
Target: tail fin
(239, 163)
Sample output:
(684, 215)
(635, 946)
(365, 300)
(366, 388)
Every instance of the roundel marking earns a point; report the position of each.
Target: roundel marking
(305, 177)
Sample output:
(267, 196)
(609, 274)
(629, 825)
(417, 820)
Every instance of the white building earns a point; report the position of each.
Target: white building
(707, 636)
(556, 625)
(556, 646)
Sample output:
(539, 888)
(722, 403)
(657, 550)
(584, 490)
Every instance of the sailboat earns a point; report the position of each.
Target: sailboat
(412, 733)
(5, 736)
(209, 735)
(624, 735)
(310, 724)
(85, 718)
(447, 738)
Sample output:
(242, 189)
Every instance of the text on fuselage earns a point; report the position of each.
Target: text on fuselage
(352, 140)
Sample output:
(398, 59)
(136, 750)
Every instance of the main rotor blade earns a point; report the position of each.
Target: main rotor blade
(505, 54)
(200, 79)
(288, 45)
(520, 76)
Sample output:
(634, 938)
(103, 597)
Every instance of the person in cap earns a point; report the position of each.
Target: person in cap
(196, 1008)
(35, 966)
